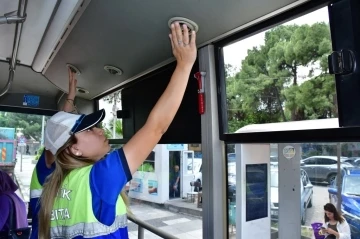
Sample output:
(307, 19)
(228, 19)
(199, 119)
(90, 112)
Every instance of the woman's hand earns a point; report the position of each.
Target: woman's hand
(331, 231)
(69, 105)
(72, 83)
(183, 46)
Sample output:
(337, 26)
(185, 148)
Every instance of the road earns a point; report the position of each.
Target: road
(320, 198)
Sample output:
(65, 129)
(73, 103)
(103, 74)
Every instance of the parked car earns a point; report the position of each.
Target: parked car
(350, 195)
(306, 194)
(355, 161)
(274, 160)
(322, 168)
(232, 172)
(232, 182)
(231, 157)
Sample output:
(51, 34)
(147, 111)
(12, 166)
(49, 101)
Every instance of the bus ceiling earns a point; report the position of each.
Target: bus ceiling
(129, 36)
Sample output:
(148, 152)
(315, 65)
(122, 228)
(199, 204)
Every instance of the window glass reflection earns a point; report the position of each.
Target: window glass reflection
(111, 125)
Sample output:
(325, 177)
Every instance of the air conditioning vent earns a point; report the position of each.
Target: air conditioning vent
(192, 26)
(82, 90)
(74, 69)
(113, 70)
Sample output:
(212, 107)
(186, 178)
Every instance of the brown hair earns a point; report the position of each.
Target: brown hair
(329, 207)
(65, 162)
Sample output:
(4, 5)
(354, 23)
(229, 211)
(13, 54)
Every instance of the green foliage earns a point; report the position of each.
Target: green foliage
(31, 124)
(270, 88)
(118, 127)
(107, 132)
(108, 128)
(314, 99)
(146, 167)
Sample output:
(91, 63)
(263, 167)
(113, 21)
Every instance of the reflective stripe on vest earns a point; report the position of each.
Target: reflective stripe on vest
(89, 230)
(35, 193)
(72, 213)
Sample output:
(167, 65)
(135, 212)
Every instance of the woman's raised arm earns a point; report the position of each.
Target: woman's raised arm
(163, 113)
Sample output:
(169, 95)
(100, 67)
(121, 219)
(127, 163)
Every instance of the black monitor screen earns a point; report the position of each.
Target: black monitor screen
(256, 191)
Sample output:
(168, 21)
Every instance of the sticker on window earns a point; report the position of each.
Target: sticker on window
(289, 152)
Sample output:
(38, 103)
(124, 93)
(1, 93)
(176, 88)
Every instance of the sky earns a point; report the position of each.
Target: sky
(236, 52)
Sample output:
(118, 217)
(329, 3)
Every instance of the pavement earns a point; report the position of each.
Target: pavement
(23, 173)
(320, 198)
(180, 225)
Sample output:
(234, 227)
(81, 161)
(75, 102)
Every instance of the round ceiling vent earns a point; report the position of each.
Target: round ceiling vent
(82, 90)
(113, 70)
(74, 69)
(192, 26)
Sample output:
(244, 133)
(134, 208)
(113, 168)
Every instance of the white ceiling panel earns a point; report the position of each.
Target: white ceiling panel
(38, 15)
(7, 31)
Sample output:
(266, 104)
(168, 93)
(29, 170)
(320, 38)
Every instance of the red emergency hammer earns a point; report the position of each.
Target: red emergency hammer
(200, 76)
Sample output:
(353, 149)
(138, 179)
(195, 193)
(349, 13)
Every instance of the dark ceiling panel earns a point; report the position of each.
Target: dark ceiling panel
(27, 81)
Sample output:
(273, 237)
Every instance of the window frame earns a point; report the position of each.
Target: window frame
(346, 134)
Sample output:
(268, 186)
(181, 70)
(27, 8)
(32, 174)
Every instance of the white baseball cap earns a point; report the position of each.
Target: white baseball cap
(61, 126)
